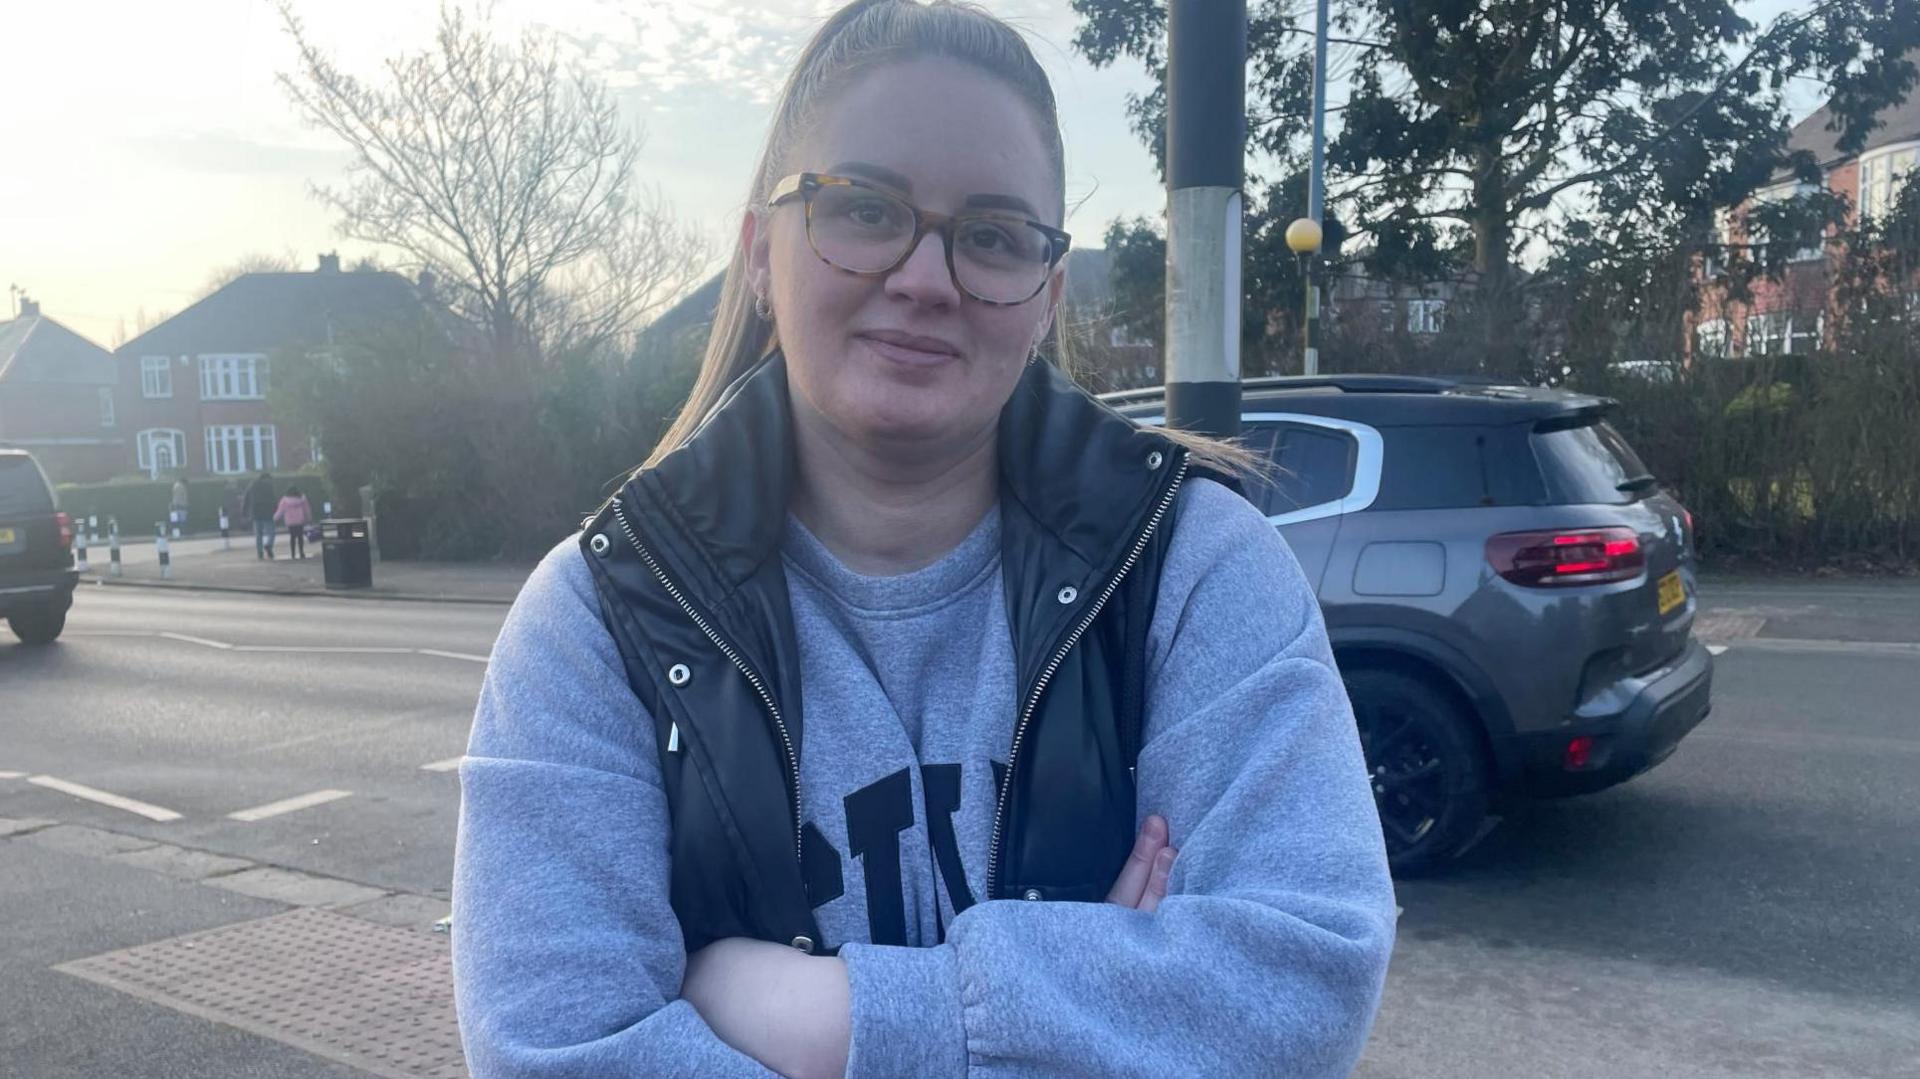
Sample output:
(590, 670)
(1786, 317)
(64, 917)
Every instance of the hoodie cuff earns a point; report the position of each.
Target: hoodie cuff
(906, 1011)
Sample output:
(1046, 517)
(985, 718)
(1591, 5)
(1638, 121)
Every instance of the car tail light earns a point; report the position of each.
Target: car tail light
(1567, 557)
(66, 529)
(1579, 753)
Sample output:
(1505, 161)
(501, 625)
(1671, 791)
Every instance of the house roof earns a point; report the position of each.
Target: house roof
(1899, 122)
(35, 348)
(259, 312)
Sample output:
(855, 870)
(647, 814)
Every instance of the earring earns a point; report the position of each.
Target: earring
(762, 308)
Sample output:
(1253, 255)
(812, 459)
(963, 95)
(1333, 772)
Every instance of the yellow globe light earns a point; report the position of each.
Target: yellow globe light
(1303, 236)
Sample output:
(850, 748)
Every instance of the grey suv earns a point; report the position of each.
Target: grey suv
(37, 577)
(1509, 592)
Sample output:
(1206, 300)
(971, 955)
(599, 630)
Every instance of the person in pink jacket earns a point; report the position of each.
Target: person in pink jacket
(296, 511)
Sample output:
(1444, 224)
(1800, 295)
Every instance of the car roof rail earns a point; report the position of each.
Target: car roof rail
(1345, 383)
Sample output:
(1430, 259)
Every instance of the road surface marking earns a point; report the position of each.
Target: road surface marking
(288, 805)
(285, 649)
(171, 636)
(451, 655)
(1716, 649)
(329, 650)
(151, 812)
(12, 775)
(447, 765)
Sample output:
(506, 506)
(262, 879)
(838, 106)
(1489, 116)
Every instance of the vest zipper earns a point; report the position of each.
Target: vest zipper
(759, 687)
(1060, 656)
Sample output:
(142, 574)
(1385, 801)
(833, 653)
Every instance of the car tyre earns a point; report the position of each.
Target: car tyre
(41, 625)
(1425, 765)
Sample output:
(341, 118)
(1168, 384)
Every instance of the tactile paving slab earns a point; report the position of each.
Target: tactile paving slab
(375, 997)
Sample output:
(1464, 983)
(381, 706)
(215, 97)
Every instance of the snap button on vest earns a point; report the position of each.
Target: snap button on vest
(1031, 893)
(600, 543)
(1068, 594)
(1154, 460)
(805, 944)
(679, 675)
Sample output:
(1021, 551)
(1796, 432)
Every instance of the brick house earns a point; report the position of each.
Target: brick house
(1790, 316)
(58, 399)
(195, 386)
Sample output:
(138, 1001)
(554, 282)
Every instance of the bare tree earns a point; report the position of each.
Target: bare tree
(508, 174)
(255, 262)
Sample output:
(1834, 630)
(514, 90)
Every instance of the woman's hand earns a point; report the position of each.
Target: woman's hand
(1143, 880)
(791, 1012)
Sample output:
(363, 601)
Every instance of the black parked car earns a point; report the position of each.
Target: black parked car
(37, 577)
(1509, 592)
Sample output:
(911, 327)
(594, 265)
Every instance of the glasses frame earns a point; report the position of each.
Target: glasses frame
(804, 185)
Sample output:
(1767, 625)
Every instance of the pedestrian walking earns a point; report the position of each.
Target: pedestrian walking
(259, 506)
(294, 511)
(909, 708)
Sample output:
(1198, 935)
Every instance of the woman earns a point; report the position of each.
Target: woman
(819, 749)
(296, 512)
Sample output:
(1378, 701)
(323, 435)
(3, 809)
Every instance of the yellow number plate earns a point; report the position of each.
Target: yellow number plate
(6, 535)
(1673, 592)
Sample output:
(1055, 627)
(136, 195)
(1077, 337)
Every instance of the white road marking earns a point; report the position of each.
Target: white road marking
(1716, 649)
(12, 775)
(328, 650)
(202, 641)
(288, 805)
(151, 812)
(447, 765)
(451, 655)
(284, 649)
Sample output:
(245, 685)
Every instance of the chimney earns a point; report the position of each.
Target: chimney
(29, 308)
(427, 281)
(329, 263)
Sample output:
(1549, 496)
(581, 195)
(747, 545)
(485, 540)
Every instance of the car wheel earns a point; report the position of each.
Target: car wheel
(42, 625)
(1424, 762)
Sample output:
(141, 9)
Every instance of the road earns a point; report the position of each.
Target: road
(1745, 909)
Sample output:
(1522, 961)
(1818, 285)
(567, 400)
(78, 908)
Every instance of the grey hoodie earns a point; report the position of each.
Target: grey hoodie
(1267, 958)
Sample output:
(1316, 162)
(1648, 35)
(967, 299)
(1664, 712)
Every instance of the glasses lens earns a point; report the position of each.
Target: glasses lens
(1000, 259)
(859, 229)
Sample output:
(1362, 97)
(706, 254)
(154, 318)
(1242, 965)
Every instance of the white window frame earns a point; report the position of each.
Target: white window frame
(1711, 338)
(1369, 452)
(1786, 192)
(107, 417)
(1425, 316)
(237, 449)
(1882, 170)
(1778, 327)
(156, 376)
(143, 448)
(1715, 261)
(1767, 328)
(238, 376)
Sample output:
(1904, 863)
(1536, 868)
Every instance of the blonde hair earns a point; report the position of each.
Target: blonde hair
(862, 36)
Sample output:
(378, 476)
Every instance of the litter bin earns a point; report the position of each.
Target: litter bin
(346, 555)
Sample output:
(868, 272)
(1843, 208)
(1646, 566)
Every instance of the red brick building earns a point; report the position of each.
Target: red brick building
(58, 399)
(1791, 315)
(195, 386)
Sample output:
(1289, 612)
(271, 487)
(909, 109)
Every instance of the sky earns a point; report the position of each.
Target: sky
(145, 145)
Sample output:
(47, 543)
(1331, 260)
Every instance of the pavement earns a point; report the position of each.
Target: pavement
(211, 563)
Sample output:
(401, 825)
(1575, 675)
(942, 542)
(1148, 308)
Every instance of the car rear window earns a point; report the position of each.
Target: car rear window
(1590, 464)
(23, 489)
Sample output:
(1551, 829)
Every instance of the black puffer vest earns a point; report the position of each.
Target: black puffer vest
(686, 559)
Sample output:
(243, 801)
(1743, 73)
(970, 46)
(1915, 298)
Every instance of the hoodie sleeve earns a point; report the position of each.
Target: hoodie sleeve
(1269, 954)
(567, 956)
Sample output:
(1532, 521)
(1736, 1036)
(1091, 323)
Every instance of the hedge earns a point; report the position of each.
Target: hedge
(141, 505)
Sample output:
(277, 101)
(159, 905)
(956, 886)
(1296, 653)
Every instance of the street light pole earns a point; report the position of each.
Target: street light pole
(1206, 169)
(1304, 242)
